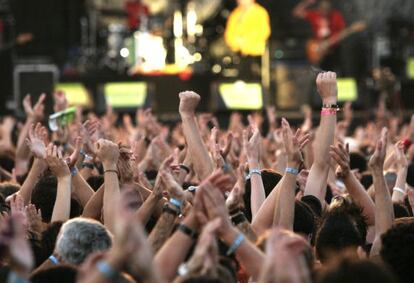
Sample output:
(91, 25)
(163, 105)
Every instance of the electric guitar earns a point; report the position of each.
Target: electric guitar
(316, 49)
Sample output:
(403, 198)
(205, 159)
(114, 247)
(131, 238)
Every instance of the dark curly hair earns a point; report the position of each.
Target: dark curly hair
(348, 269)
(398, 250)
(340, 228)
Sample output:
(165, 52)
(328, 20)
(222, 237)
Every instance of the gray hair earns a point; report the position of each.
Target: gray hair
(79, 237)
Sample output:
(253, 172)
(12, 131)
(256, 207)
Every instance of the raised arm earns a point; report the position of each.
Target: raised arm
(61, 209)
(317, 180)
(399, 191)
(384, 212)
(251, 148)
(34, 114)
(284, 211)
(249, 256)
(93, 208)
(108, 153)
(203, 165)
(354, 187)
(37, 147)
(300, 10)
(171, 210)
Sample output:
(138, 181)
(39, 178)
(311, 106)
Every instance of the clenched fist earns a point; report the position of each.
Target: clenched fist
(108, 153)
(327, 87)
(188, 102)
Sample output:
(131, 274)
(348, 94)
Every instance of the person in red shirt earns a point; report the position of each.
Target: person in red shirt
(326, 23)
(136, 10)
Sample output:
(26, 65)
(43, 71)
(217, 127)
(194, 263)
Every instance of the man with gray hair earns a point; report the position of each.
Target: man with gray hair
(78, 238)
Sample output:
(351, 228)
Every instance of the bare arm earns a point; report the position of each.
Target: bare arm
(252, 148)
(355, 189)
(175, 250)
(38, 167)
(300, 10)
(317, 180)
(284, 212)
(81, 189)
(202, 162)
(34, 114)
(61, 209)
(93, 208)
(399, 191)
(162, 229)
(108, 153)
(384, 212)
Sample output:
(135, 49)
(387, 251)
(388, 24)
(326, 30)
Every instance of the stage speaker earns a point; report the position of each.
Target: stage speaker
(34, 79)
(292, 85)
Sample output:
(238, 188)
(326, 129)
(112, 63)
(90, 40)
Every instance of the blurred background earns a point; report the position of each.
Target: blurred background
(133, 54)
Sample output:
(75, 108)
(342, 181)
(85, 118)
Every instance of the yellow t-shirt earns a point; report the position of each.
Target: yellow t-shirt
(248, 30)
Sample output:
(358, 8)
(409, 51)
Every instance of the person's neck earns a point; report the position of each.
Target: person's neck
(247, 6)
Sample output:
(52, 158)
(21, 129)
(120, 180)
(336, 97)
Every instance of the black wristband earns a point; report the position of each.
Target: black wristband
(167, 209)
(238, 218)
(188, 231)
(185, 168)
(87, 165)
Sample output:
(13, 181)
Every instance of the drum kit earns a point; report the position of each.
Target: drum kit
(170, 32)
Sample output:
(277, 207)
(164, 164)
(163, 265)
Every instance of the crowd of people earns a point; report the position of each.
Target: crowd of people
(110, 199)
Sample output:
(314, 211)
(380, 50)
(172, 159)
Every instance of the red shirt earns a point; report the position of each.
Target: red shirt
(134, 10)
(324, 27)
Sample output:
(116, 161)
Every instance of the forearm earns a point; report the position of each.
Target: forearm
(249, 256)
(93, 209)
(384, 212)
(397, 195)
(61, 209)
(38, 167)
(257, 196)
(111, 192)
(175, 251)
(202, 162)
(22, 150)
(317, 180)
(161, 231)
(81, 189)
(360, 196)
(264, 217)
(300, 10)
(147, 209)
(284, 211)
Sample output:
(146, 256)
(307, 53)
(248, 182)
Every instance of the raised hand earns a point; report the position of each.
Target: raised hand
(73, 158)
(188, 102)
(173, 188)
(341, 155)
(88, 131)
(34, 219)
(13, 235)
(401, 160)
(293, 143)
(251, 146)
(205, 257)
(235, 198)
(376, 162)
(36, 141)
(108, 153)
(36, 112)
(213, 200)
(60, 101)
(55, 162)
(327, 87)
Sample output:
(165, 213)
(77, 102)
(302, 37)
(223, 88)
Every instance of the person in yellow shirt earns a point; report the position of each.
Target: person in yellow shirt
(247, 31)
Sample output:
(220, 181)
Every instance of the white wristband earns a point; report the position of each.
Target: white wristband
(399, 190)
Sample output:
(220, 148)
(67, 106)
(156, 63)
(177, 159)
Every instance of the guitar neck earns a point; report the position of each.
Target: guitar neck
(341, 36)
